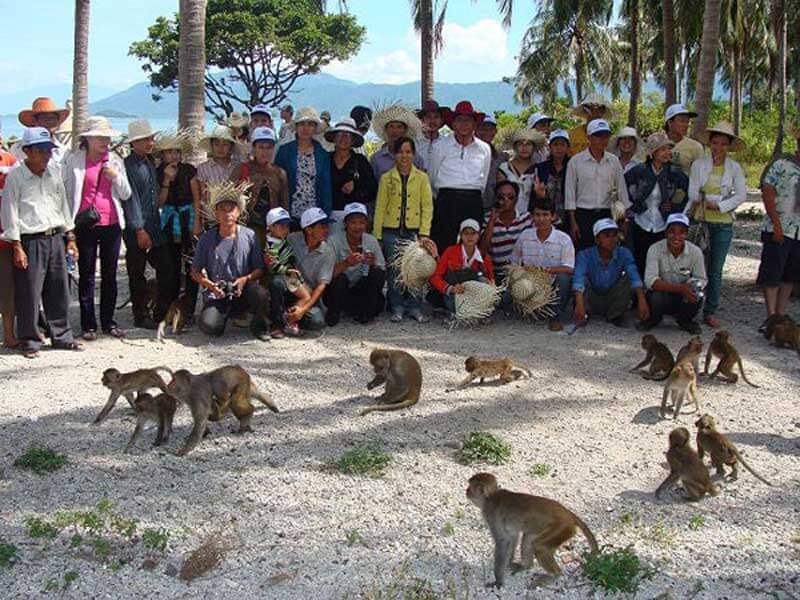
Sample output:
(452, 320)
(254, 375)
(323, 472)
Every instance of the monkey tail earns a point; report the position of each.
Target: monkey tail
(526, 371)
(263, 398)
(749, 468)
(400, 405)
(162, 330)
(588, 533)
(741, 370)
(666, 375)
(166, 369)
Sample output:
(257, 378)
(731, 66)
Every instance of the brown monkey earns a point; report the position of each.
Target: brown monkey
(160, 409)
(692, 352)
(720, 448)
(125, 384)
(544, 524)
(403, 378)
(682, 383)
(785, 332)
(209, 395)
(722, 348)
(150, 296)
(177, 316)
(685, 464)
(481, 368)
(658, 357)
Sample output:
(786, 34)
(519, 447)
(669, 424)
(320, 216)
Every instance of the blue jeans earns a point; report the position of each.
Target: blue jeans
(399, 301)
(720, 236)
(563, 285)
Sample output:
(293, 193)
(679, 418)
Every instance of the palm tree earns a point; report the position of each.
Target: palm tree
(80, 70)
(778, 10)
(636, 61)
(668, 33)
(709, 46)
(192, 64)
(431, 40)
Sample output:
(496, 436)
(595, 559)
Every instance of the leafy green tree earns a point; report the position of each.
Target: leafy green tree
(255, 49)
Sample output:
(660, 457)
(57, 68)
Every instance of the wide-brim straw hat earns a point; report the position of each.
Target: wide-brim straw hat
(226, 191)
(182, 140)
(139, 130)
(414, 266)
(99, 127)
(725, 128)
(625, 132)
(579, 109)
(400, 114)
(531, 289)
(345, 126)
(523, 134)
(42, 105)
(657, 140)
(307, 114)
(477, 303)
(220, 132)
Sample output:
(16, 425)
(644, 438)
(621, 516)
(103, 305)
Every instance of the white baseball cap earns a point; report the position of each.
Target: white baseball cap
(261, 108)
(538, 116)
(469, 224)
(354, 208)
(598, 126)
(37, 136)
(489, 119)
(262, 134)
(678, 218)
(678, 109)
(558, 134)
(312, 216)
(278, 215)
(604, 225)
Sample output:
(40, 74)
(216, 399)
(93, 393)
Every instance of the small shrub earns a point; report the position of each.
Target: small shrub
(41, 460)
(696, 522)
(155, 539)
(540, 470)
(39, 528)
(8, 554)
(365, 459)
(448, 529)
(353, 537)
(484, 447)
(615, 570)
(102, 547)
(69, 578)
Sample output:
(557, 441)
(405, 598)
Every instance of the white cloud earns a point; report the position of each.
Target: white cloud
(395, 67)
(483, 43)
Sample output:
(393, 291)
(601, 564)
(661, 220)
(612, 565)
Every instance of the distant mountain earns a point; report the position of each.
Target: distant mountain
(13, 102)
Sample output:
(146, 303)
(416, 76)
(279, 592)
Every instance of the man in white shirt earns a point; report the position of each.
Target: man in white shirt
(433, 118)
(36, 216)
(43, 113)
(550, 249)
(459, 171)
(593, 182)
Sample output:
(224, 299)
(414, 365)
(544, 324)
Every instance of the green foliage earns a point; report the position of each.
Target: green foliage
(696, 522)
(261, 46)
(70, 577)
(365, 459)
(540, 470)
(8, 555)
(41, 460)
(615, 570)
(448, 530)
(481, 446)
(155, 539)
(41, 529)
(353, 537)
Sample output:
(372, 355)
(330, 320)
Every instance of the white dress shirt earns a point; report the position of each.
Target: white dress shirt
(460, 167)
(651, 218)
(33, 204)
(556, 251)
(425, 147)
(588, 183)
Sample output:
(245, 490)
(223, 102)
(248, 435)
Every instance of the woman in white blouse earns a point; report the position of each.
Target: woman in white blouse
(521, 168)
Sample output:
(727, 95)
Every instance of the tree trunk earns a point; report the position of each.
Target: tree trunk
(426, 50)
(636, 64)
(736, 91)
(709, 43)
(579, 74)
(192, 66)
(779, 7)
(668, 33)
(80, 70)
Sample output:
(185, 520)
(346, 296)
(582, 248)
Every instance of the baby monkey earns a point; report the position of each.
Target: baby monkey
(160, 409)
(685, 464)
(481, 368)
(658, 356)
(722, 347)
(125, 384)
(681, 384)
(720, 448)
(544, 524)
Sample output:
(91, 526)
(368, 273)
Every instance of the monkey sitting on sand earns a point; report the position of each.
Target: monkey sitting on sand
(685, 465)
(658, 356)
(482, 368)
(403, 378)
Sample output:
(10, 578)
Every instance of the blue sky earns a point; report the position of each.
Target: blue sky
(38, 46)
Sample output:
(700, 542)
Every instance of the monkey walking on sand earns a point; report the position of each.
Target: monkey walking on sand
(544, 524)
(483, 368)
(403, 378)
(160, 409)
(685, 465)
(720, 448)
(125, 384)
(658, 356)
(722, 347)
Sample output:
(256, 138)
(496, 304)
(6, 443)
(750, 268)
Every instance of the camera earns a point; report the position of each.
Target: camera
(228, 289)
(698, 287)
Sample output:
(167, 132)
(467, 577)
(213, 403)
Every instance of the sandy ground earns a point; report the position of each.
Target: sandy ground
(301, 530)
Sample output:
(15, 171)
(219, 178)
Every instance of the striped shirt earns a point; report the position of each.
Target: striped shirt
(503, 240)
(213, 171)
(556, 251)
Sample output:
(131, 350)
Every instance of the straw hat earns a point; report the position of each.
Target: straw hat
(579, 110)
(182, 140)
(657, 140)
(723, 127)
(522, 134)
(345, 126)
(307, 114)
(477, 303)
(399, 113)
(414, 266)
(39, 106)
(237, 120)
(625, 132)
(226, 191)
(139, 130)
(220, 132)
(99, 127)
(532, 292)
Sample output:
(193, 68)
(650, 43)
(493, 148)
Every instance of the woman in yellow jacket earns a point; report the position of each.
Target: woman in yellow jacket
(403, 211)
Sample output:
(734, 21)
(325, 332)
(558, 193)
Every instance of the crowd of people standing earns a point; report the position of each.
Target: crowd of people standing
(292, 229)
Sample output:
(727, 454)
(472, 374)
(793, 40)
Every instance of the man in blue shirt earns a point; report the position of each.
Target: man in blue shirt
(604, 276)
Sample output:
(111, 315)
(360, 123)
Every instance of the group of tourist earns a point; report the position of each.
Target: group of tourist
(313, 234)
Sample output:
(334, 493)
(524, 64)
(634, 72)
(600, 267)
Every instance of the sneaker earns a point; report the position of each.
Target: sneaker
(691, 327)
(396, 317)
(555, 326)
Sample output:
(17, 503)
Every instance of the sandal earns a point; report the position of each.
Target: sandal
(29, 353)
(711, 321)
(292, 330)
(74, 346)
(90, 335)
(115, 332)
(277, 334)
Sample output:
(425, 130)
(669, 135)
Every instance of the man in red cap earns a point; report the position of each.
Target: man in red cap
(459, 170)
(43, 113)
(433, 118)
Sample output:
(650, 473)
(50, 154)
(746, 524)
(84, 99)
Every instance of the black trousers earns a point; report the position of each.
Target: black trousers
(363, 301)
(160, 258)
(642, 240)
(586, 218)
(183, 281)
(666, 303)
(109, 239)
(43, 283)
(215, 313)
(450, 208)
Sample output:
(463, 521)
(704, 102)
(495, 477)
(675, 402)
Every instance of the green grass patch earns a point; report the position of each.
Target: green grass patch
(41, 460)
(40, 529)
(8, 554)
(155, 539)
(696, 522)
(615, 570)
(539, 470)
(480, 446)
(366, 459)
(353, 537)
(448, 530)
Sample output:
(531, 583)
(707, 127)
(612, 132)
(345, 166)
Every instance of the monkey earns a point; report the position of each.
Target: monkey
(720, 448)
(480, 368)
(177, 316)
(658, 357)
(722, 348)
(210, 395)
(150, 296)
(685, 464)
(125, 384)
(544, 524)
(692, 351)
(403, 378)
(784, 330)
(682, 383)
(160, 409)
